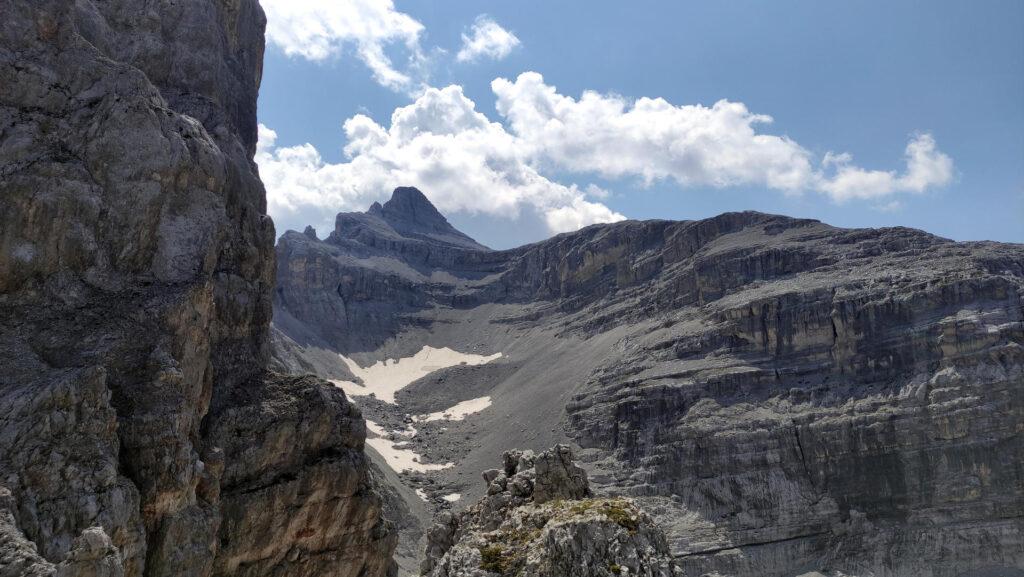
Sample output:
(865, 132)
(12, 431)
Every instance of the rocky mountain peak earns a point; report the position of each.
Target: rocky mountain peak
(408, 204)
(411, 214)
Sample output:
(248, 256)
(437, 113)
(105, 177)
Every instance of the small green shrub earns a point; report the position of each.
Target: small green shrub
(521, 536)
(617, 511)
(492, 558)
(621, 516)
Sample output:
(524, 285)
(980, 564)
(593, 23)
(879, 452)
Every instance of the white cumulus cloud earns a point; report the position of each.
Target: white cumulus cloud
(468, 163)
(439, 143)
(319, 29)
(926, 167)
(487, 39)
(694, 145)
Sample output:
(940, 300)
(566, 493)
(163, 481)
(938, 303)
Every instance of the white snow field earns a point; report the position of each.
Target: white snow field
(456, 412)
(395, 454)
(387, 377)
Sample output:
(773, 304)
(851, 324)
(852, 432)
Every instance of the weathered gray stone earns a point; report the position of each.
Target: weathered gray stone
(136, 272)
(781, 393)
(573, 536)
(297, 492)
(558, 476)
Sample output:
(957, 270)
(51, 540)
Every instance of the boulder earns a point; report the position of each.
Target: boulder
(558, 477)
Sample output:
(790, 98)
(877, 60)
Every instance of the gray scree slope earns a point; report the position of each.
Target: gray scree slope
(140, 433)
(783, 395)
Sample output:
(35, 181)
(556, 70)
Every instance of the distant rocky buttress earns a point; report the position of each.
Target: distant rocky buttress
(140, 433)
(782, 395)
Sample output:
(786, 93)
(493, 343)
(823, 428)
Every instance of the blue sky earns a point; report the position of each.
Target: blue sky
(848, 86)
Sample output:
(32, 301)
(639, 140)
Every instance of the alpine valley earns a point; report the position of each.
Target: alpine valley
(749, 395)
(782, 396)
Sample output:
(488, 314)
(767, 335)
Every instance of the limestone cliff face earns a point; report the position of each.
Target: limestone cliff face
(136, 272)
(351, 288)
(297, 493)
(856, 394)
(783, 395)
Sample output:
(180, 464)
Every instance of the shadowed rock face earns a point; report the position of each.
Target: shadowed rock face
(136, 267)
(351, 287)
(783, 395)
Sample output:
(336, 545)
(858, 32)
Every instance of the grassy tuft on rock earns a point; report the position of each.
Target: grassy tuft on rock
(492, 558)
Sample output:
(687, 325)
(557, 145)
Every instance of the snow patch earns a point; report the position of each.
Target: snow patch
(457, 412)
(408, 432)
(396, 455)
(385, 378)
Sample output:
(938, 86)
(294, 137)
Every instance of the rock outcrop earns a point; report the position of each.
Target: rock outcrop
(140, 433)
(783, 395)
(540, 520)
(297, 494)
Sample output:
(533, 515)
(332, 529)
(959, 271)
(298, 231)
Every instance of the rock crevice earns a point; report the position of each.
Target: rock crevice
(136, 274)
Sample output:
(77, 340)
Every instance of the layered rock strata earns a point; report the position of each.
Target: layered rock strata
(784, 395)
(136, 273)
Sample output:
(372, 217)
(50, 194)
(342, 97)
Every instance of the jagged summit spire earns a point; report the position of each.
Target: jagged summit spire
(411, 213)
(410, 206)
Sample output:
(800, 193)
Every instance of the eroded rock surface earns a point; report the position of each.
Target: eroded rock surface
(136, 273)
(785, 396)
(560, 532)
(297, 493)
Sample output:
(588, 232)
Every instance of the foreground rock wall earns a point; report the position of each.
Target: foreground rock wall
(136, 270)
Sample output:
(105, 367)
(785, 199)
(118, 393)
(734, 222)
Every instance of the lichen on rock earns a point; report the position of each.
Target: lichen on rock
(561, 530)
